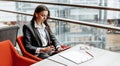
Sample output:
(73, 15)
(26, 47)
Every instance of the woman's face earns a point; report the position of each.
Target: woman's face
(41, 16)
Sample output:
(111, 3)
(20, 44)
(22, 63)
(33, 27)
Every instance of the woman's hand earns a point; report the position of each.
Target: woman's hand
(60, 49)
(48, 49)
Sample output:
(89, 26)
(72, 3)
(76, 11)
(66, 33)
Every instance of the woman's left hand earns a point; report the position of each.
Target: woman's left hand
(60, 49)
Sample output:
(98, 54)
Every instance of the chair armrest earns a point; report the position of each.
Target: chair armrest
(22, 61)
(65, 47)
(28, 55)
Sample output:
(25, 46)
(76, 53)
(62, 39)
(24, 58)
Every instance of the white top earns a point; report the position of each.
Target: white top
(41, 30)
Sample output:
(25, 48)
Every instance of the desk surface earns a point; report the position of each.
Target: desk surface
(101, 58)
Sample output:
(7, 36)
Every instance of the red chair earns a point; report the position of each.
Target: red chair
(27, 54)
(10, 57)
(24, 52)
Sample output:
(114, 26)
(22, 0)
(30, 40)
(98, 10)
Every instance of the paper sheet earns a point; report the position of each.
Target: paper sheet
(76, 56)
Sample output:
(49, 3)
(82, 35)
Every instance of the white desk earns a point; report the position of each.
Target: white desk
(101, 58)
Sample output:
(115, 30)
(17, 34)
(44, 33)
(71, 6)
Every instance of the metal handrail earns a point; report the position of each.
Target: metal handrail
(87, 23)
(71, 21)
(16, 12)
(71, 5)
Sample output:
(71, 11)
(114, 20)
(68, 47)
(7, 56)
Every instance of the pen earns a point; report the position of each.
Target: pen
(89, 53)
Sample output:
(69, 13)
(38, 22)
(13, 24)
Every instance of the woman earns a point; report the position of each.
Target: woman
(38, 38)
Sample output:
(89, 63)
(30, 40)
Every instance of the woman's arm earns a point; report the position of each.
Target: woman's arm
(54, 40)
(28, 40)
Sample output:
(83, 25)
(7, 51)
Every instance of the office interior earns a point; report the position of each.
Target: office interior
(95, 23)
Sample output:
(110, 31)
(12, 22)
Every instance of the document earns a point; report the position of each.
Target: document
(76, 56)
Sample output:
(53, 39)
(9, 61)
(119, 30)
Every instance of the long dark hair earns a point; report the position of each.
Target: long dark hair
(38, 9)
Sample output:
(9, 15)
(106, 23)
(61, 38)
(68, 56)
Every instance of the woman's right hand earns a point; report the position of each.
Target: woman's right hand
(47, 49)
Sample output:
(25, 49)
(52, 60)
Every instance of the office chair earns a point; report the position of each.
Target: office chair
(24, 52)
(10, 57)
(27, 54)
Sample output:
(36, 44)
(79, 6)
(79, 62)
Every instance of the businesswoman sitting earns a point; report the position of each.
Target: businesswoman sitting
(38, 38)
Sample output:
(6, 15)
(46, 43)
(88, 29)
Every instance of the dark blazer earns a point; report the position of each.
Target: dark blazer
(32, 39)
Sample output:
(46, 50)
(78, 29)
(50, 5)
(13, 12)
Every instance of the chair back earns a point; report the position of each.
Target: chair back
(10, 57)
(21, 44)
(5, 54)
(9, 33)
(23, 50)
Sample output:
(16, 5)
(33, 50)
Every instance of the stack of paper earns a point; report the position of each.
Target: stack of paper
(76, 56)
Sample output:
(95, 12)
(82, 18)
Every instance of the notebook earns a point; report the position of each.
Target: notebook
(76, 56)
